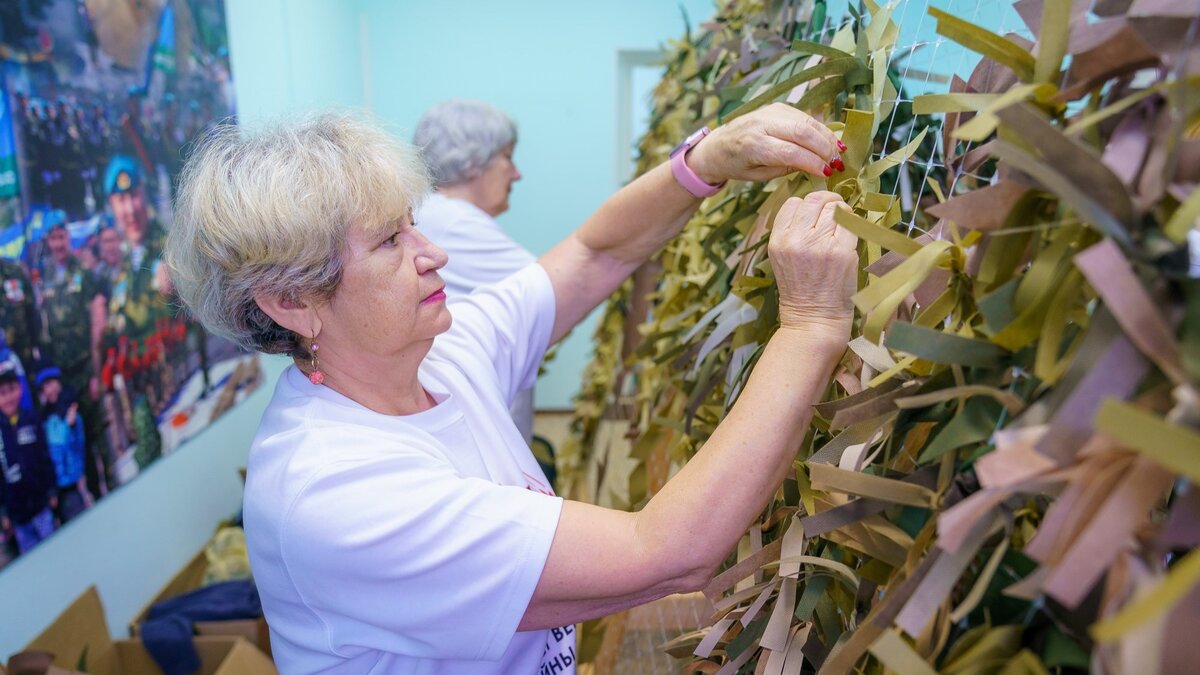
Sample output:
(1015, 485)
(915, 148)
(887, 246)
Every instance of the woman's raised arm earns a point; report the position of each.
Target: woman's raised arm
(602, 561)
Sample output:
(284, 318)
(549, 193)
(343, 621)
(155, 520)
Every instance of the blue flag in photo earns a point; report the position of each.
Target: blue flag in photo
(162, 50)
(81, 230)
(41, 219)
(12, 241)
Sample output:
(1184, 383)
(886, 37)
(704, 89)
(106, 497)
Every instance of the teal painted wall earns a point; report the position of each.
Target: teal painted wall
(293, 56)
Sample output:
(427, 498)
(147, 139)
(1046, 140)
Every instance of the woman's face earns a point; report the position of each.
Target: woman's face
(390, 298)
(496, 181)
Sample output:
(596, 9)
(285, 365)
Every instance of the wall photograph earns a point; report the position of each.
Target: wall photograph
(101, 373)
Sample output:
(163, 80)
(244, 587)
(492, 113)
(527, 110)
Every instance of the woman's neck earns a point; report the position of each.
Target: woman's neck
(388, 389)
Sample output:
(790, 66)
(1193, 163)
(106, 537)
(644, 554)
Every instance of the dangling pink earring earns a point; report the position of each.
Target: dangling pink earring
(316, 377)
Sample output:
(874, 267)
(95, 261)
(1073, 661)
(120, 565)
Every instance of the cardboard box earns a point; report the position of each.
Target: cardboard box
(189, 579)
(79, 637)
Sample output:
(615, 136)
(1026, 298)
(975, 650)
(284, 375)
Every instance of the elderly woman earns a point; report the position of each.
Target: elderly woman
(468, 146)
(396, 521)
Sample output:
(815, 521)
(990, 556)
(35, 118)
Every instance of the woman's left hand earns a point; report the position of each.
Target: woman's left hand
(769, 142)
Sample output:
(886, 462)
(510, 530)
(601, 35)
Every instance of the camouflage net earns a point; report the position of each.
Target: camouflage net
(1000, 475)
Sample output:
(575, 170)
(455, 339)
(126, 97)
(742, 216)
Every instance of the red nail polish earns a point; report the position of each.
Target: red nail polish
(828, 171)
(838, 165)
(841, 146)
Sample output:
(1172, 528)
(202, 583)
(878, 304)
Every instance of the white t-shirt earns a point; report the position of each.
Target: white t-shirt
(479, 253)
(411, 544)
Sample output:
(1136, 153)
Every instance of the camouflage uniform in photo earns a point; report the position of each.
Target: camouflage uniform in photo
(18, 314)
(135, 304)
(66, 305)
(135, 301)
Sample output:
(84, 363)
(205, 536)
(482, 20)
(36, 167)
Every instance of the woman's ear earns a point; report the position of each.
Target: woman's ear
(295, 315)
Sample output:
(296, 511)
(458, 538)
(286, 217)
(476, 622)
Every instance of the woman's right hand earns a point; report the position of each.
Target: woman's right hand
(772, 141)
(815, 262)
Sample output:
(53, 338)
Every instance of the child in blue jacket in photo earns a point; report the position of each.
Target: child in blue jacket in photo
(65, 440)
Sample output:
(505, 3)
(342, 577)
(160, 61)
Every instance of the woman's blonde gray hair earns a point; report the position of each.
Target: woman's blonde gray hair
(266, 211)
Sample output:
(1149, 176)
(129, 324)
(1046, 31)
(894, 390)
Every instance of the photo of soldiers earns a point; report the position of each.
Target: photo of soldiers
(101, 110)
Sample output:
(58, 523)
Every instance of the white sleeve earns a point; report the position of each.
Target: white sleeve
(400, 554)
(507, 324)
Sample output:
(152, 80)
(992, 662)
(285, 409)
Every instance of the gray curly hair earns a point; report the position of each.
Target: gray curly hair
(267, 211)
(459, 137)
